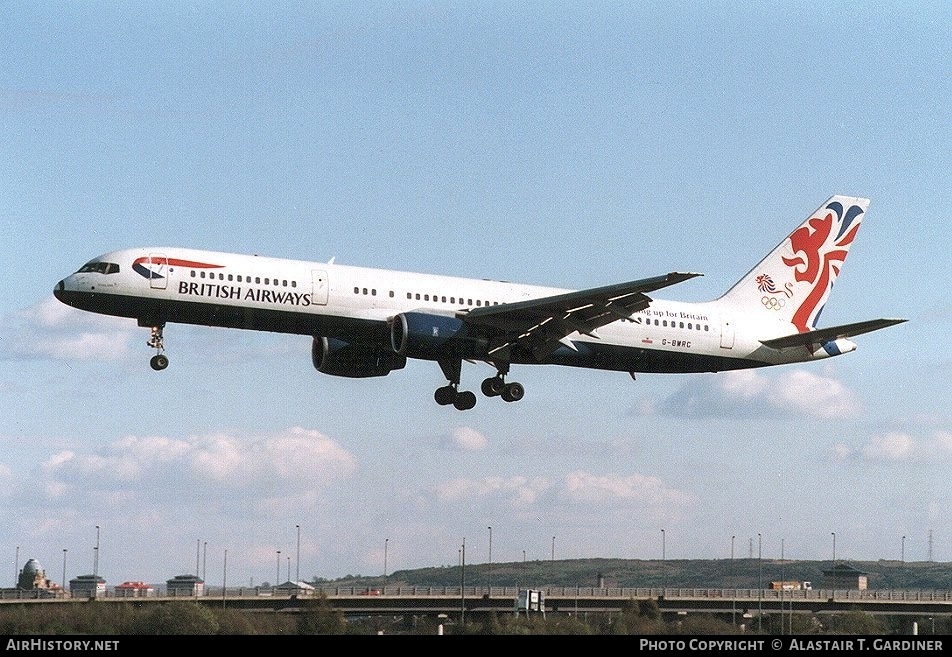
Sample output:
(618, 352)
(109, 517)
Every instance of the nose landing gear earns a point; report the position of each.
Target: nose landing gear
(160, 361)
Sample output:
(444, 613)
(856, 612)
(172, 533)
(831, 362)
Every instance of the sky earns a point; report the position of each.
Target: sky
(571, 144)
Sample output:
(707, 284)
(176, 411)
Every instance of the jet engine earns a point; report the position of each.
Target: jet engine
(422, 335)
(353, 359)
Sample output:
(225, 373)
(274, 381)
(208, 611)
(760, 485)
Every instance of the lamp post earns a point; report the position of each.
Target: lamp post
(734, 596)
(783, 584)
(224, 578)
(489, 576)
(662, 545)
(902, 554)
(204, 560)
(553, 548)
(16, 568)
(462, 584)
(386, 545)
(760, 584)
(297, 565)
(834, 547)
(277, 570)
(96, 557)
(64, 569)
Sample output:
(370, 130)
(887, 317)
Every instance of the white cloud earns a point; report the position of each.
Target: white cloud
(51, 329)
(891, 447)
(288, 463)
(748, 393)
(519, 491)
(577, 487)
(581, 486)
(465, 439)
(899, 446)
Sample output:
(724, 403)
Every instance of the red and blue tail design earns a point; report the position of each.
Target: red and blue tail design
(792, 284)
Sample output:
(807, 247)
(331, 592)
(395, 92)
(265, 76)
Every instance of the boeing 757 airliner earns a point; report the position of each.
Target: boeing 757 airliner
(366, 322)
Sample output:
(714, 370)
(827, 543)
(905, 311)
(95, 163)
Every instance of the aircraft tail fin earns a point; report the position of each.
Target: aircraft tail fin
(793, 282)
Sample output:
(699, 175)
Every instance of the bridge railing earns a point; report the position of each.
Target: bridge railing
(638, 593)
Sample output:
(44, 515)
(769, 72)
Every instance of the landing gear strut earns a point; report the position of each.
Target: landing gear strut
(160, 361)
(462, 400)
(496, 386)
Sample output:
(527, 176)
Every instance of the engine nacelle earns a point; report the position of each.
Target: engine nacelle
(354, 360)
(422, 335)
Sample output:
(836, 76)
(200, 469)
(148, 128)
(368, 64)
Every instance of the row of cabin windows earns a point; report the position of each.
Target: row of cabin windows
(426, 297)
(257, 280)
(691, 326)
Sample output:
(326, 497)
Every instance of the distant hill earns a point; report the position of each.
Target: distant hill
(687, 573)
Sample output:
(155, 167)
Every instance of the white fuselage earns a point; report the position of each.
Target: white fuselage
(158, 285)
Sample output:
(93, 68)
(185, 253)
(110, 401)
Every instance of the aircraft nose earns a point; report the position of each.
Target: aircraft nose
(58, 290)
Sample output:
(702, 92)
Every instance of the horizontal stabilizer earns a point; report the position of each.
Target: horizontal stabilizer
(831, 333)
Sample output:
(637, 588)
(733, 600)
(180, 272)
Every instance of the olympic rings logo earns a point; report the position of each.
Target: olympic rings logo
(772, 303)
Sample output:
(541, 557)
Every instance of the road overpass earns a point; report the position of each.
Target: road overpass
(475, 601)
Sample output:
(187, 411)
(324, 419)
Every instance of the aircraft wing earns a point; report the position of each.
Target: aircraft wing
(818, 336)
(540, 325)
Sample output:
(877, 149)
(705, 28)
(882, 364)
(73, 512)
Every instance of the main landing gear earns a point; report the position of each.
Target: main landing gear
(160, 361)
(463, 400)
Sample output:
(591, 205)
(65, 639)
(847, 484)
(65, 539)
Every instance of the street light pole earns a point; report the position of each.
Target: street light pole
(732, 554)
(96, 557)
(662, 545)
(760, 584)
(462, 585)
(64, 569)
(902, 554)
(489, 575)
(386, 545)
(297, 566)
(834, 547)
(277, 570)
(224, 578)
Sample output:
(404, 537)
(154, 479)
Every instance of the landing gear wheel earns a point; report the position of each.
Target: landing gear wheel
(513, 392)
(493, 386)
(465, 400)
(445, 396)
(159, 362)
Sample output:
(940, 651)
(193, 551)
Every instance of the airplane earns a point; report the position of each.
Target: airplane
(366, 322)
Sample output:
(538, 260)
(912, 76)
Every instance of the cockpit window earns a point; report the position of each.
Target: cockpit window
(97, 267)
